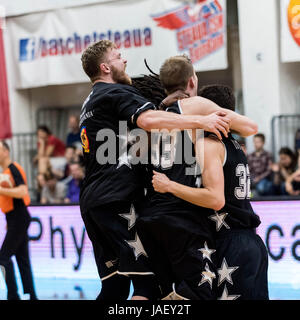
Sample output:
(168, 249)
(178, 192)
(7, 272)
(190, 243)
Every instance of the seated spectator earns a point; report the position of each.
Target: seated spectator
(283, 170)
(260, 162)
(53, 192)
(292, 184)
(50, 149)
(73, 186)
(70, 156)
(73, 137)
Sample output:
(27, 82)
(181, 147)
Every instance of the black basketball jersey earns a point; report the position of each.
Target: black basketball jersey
(237, 212)
(109, 175)
(172, 153)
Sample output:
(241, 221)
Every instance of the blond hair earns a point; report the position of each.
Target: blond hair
(93, 56)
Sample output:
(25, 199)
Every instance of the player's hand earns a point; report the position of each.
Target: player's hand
(160, 182)
(217, 122)
(173, 97)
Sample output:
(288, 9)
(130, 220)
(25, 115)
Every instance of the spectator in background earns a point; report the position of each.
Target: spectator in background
(283, 170)
(73, 186)
(260, 162)
(53, 192)
(49, 147)
(70, 156)
(73, 137)
(292, 184)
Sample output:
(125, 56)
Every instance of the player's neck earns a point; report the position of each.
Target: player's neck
(191, 92)
(107, 79)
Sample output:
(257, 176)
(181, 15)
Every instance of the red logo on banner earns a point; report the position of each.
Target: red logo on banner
(294, 19)
(199, 27)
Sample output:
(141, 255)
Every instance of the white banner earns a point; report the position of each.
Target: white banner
(290, 30)
(47, 47)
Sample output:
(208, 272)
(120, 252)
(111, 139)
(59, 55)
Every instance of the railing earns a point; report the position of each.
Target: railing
(23, 149)
(56, 119)
(284, 128)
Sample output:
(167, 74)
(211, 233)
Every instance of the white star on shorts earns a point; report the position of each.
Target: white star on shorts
(137, 247)
(207, 276)
(206, 252)
(130, 216)
(219, 220)
(225, 295)
(225, 273)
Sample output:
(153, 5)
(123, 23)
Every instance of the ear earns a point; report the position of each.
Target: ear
(104, 68)
(192, 83)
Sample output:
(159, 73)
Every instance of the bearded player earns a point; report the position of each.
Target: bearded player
(113, 188)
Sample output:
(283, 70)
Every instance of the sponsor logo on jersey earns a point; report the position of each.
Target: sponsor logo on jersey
(84, 140)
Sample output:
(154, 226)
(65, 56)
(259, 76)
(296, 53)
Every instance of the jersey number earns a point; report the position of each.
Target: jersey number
(244, 190)
(164, 150)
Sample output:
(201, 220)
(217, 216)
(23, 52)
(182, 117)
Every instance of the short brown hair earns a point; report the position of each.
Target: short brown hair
(220, 94)
(175, 73)
(93, 56)
(260, 136)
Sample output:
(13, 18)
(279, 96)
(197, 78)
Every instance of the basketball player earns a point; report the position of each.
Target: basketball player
(179, 241)
(13, 203)
(242, 258)
(111, 191)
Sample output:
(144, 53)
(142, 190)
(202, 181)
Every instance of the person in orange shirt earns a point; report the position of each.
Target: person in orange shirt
(13, 203)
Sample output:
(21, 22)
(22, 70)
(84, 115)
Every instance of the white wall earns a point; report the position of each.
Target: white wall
(259, 42)
(290, 87)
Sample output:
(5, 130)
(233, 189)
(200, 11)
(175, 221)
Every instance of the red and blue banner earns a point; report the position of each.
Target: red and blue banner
(46, 47)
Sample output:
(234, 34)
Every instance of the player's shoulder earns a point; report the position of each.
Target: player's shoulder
(111, 89)
(211, 138)
(122, 88)
(213, 145)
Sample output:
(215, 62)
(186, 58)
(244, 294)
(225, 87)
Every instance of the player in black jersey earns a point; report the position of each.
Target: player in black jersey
(112, 189)
(179, 241)
(242, 257)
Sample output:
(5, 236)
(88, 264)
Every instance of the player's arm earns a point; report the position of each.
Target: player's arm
(212, 195)
(18, 192)
(215, 122)
(242, 125)
(140, 112)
